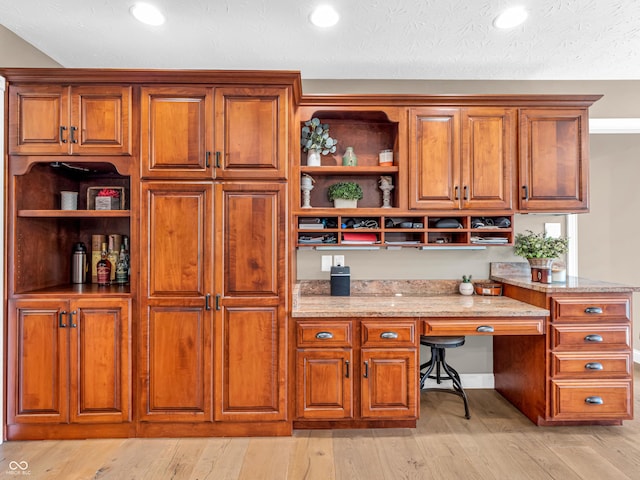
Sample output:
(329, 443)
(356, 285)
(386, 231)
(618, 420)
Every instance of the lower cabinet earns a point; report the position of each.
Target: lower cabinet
(356, 371)
(68, 362)
(591, 360)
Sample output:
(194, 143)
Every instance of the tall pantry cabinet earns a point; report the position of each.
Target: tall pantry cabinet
(195, 343)
(213, 294)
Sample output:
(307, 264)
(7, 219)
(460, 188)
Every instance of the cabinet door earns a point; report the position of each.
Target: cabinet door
(176, 139)
(252, 132)
(100, 120)
(434, 171)
(100, 363)
(389, 383)
(251, 323)
(324, 384)
(37, 362)
(176, 284)
(38, 120)
(488, 156)
(554, 160)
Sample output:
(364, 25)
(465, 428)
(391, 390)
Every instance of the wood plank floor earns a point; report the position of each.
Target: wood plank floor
(497, 443)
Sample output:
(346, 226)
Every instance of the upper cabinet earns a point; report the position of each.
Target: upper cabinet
(461, 158)
(176, 137)
(554, 160)
(215, 132)
(64, 120)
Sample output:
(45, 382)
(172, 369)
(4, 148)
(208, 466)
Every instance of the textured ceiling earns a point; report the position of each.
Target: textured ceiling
(375, 39)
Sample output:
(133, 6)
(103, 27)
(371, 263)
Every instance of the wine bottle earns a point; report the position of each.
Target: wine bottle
(104, 268)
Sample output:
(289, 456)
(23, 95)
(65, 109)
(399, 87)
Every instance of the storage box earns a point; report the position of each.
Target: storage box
(95, 202)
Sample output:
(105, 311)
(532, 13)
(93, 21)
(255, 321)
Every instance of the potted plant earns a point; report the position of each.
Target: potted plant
(315, 140)
(539, 249)
(344, 194)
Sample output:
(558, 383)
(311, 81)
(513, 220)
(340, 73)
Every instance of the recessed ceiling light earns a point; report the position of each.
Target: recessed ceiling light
(147, 13)
(511, 17)
(324, 16)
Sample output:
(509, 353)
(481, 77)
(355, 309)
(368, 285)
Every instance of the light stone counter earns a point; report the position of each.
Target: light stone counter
(387, 306)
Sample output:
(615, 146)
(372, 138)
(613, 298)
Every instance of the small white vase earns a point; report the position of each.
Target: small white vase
(313, 158)
(466, 288)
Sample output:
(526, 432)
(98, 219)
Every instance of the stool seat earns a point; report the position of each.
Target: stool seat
(437, 361)
(443, 342)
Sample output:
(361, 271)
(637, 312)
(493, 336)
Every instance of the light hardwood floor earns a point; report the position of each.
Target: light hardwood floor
(497, 443)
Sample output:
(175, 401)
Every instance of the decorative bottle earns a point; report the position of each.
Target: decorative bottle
(104, 268)
(112, 256)
(349, 159)
(122, 267)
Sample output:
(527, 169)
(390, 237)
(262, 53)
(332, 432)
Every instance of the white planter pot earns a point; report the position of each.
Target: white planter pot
(466, 288)
(342, 203)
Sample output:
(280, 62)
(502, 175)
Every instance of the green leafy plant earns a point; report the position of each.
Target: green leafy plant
(345, 190)
(315, 136)
(466, 279)
(539, 245)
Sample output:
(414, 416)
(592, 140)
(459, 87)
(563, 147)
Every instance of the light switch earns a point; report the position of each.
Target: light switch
(553, 230)
(326, 263)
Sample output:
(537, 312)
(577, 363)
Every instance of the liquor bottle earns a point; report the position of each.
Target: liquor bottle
(104, 268)
(112, 256)
(122, 268)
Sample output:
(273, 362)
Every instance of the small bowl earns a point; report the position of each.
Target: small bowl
(489, 289)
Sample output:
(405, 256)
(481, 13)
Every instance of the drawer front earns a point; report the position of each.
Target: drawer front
(584, 337)
(452, 326)
(388, 334)
(594, 309)
(324, 334)
(591, 365)
(599, 400)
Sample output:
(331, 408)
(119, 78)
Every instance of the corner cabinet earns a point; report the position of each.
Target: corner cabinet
(554, 160)
(67, 120)
(462, 158)
(214, 132)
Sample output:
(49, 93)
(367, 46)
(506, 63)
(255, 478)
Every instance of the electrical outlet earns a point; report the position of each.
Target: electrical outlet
(338, 260)
(326, 263)
(553, 230)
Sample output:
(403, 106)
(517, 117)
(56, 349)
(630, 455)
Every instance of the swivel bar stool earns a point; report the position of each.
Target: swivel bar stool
(437, 361)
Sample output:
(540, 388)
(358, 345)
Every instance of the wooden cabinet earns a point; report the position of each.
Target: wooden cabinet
(176, 131)
(461, 158)
(356, 383)
(591, 360)
(214, 132)
(176, 324)
(62, 120)
(250, 269)
(69, 362)
(554, 160)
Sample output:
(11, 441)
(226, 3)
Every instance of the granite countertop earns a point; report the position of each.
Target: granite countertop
(519, 275)
(412, 305)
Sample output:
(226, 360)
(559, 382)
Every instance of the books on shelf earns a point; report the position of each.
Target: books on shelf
(490, 240)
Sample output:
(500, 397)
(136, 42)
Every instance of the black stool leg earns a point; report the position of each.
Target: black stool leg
(457, 385)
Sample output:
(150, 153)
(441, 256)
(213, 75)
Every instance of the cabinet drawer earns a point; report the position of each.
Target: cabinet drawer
(489, 326)
(591, 365)
(388, 334)
(584, 337)
(594, 309)
(599, 400)
(324, 334)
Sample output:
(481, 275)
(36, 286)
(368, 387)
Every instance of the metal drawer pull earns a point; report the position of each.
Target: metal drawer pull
(594, 310)
(594, 400)
(346, 364)
(61, 315)
(485, 329)
(71, 322)
(389, 335)
(594, 366)
(324, 335)
(593, 338)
